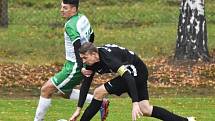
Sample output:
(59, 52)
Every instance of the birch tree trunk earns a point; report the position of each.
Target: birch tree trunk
(3, 13)
(192, 38)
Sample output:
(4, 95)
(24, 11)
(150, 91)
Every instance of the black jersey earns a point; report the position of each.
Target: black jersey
(112, 57)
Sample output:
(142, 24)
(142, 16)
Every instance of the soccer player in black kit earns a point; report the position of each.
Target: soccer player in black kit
(133, 76)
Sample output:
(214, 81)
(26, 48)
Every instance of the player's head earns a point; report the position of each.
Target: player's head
(89, 53)
(71, 2)
(69, 8)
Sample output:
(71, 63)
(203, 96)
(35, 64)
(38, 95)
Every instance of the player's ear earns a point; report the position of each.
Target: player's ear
(74, 8)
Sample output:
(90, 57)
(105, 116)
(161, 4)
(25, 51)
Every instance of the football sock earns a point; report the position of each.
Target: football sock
(91, 110)
(165, 115)
(75, 96)
(42, 108)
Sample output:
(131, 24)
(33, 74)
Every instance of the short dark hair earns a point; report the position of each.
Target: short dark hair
(88, 47)
(73, 2)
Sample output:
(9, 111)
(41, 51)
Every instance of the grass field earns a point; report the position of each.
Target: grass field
(23, 110)
(149, 27)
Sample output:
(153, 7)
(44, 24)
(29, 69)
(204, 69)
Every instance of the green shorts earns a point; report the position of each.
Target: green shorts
(67, 78)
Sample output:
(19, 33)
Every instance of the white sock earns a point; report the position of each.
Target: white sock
(42, 108)
(75, 96)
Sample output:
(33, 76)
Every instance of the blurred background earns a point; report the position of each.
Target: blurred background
(148, 27)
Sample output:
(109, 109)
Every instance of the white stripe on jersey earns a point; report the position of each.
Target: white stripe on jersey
(132, 70)
(110, 84)
(69, 77)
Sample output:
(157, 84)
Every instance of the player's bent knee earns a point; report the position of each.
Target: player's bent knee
(47, 90)
(44, 89)
(98, 94)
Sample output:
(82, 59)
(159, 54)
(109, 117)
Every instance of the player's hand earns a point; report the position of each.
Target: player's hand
(136, 112)
(75, 115)
(86, 72)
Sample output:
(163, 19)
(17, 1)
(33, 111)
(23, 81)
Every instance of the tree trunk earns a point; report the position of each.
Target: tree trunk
(3, 13)
(192, 38)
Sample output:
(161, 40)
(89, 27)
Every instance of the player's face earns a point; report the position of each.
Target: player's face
(89, 58)
(67, 10)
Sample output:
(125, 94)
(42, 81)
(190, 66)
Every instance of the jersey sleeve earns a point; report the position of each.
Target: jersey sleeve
(74, 37)
(77, 45)
(72, 32)
(84, 90)
(131, 83)
(92, 36)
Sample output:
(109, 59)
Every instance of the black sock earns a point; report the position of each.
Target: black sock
(165, 115)
(91, 110)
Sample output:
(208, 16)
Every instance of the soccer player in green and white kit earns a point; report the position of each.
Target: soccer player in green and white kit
(77, 31)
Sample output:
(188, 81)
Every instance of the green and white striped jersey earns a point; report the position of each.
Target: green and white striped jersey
(77, 27)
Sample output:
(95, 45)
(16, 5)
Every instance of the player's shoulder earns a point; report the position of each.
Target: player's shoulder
(72, 21)
(104, 48)
(80, 16)
(77, 20)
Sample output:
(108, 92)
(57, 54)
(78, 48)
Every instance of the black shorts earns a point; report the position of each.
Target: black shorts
(118, 86)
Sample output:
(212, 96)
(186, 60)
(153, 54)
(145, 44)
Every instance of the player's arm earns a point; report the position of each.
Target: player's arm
(117, 66)
(124, 73)
(75, 38)
(84, 90)
(136, 112)
(82, 97)
(77, 45)
(92, 36)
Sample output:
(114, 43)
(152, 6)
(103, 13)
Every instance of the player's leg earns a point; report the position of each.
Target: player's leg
(66, 85)
(47, 91)
(104, 107)
(95, 105)
(146, 108)
(158, 112)
(61, 82)
(154, 111)
(67, 79)
(163, 114)
(142, 90)
(74, 95)
(115, 86)
(99, 94)
(149, 110)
